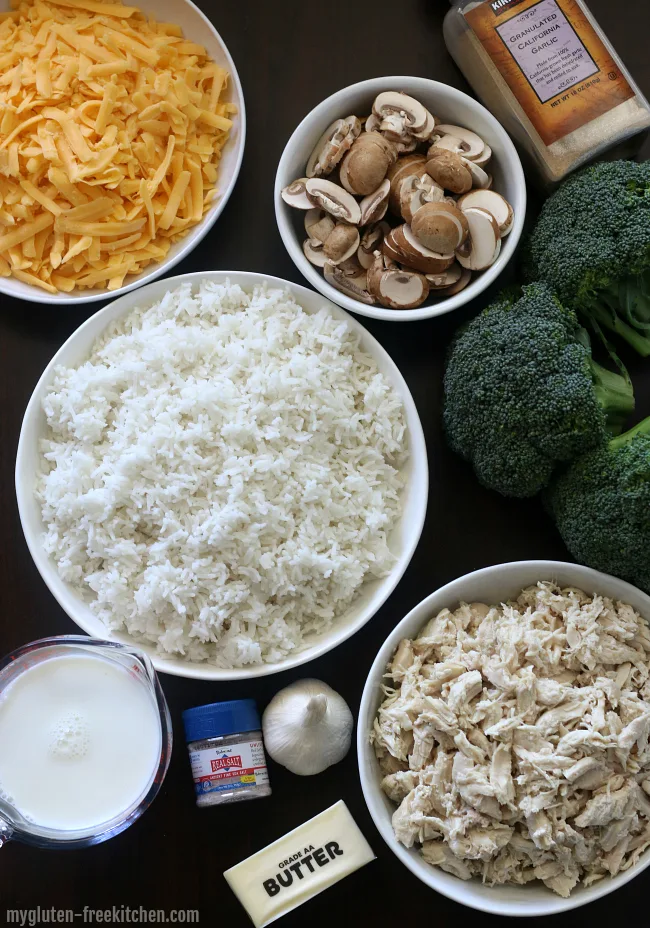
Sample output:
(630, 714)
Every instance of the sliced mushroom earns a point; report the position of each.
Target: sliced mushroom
(448, 143)
(484, 239)
(371, 241)
(446, 278)
(333, 199)
(393, 102)
(405, 167)
(342, 243)
(353, 286)
(460, 284)
(295, 194)
(332, 145)
(314, 253)
(472, 144)
(415, 192)
(442, 227)
(366, 164)
(318, 224)
(374, 206)
(484, 158)
(424, 134)
(479, 177)
(396, 288)
(406, 145)
(372, 123)
(449, 170)
(414, 254)
(494, 203)
(394, 127)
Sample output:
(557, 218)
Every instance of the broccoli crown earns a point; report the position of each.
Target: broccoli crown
(594, 230)
(601, 505)
(522, 392)
(591, 243)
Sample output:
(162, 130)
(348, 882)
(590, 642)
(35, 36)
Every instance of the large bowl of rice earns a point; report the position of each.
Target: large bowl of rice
(224, 469)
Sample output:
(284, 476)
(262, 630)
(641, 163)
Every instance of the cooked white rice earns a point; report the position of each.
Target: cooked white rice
(222, 474)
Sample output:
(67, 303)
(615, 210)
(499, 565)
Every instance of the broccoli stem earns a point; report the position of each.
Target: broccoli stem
(643, 428)
(607, 317)
(615, 394)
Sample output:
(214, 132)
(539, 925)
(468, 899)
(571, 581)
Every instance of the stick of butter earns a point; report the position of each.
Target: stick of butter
(300, 865)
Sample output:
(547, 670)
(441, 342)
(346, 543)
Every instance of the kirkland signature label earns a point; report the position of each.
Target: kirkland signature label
(547, 49)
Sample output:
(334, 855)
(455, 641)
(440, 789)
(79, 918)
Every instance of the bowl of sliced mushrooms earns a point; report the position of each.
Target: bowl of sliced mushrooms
(400, 198)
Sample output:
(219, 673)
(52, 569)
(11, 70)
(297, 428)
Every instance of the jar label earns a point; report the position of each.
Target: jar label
(227, 767)
(552, 59)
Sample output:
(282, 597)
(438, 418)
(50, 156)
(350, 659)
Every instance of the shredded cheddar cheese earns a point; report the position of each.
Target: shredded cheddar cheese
(112, 127)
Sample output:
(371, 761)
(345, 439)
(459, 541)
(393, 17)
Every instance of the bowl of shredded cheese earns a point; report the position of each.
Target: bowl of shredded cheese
(121, 137)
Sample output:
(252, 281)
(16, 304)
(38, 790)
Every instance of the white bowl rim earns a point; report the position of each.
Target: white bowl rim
(478, 285)
(149, 275)
(437, 879)
(418, 455)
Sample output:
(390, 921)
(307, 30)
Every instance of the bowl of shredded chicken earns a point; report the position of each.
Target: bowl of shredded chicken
(505, 754)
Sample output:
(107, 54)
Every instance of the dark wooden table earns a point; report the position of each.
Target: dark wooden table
(290, 55)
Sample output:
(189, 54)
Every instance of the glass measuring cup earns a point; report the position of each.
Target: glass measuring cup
(12, 823)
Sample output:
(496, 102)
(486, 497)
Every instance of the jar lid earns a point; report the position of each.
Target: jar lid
(220, 718)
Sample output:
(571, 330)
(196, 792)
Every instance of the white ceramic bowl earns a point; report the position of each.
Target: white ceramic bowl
(197, 27)
(450, 105)
(490, 585)
(403, 540)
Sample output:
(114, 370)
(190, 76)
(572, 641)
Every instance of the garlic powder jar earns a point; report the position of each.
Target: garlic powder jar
(550, 76)
(226, 749)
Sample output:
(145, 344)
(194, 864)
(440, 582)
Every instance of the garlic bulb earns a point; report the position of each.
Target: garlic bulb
(307, 727)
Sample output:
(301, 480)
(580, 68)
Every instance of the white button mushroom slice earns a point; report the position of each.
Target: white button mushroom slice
(366, 164)
(314, 253)
(494, 203)
(479, 177)
(341, 243)
(473, 144)
(446, 278)
(318, 224)
(483, 240)
(333, 199)
(295, 194)
(404, 167)
(449, 170)
(442, 227)
(371, 240)
(415, 191)
(374, 206)
(354, 287)
(392, 101)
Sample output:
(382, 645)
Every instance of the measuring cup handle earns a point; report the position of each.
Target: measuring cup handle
(6, 832)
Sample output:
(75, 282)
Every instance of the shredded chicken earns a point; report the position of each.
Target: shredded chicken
(515, 739)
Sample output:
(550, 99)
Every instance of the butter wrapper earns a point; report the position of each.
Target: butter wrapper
(300, 865)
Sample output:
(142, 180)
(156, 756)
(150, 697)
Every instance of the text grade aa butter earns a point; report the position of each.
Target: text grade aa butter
(300, 865)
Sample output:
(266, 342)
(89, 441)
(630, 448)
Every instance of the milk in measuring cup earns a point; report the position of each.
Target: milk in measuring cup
(80, 742)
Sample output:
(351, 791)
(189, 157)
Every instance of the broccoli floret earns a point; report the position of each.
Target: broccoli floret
(523, 393)
(592, 245)
(601, 505)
